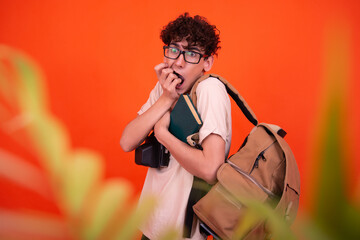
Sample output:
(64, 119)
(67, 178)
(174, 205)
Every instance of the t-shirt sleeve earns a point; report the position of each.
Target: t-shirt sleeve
(214, 107)
(153, 97)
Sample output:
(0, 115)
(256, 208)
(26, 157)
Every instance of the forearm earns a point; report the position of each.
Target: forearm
(137, 130)
(201, 163)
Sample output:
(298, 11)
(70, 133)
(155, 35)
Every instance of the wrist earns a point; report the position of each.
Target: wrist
(167, 101)
(160, 134)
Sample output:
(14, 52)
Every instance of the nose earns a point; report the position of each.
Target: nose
(180, 61)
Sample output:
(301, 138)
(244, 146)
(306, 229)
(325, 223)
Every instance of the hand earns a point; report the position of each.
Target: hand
(162, 125)
(168, 80)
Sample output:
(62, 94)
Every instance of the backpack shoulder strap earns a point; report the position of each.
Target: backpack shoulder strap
(234, 94)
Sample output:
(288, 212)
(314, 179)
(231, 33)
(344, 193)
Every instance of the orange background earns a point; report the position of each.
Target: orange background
(98, 59)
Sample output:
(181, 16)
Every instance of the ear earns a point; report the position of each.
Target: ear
(208, 62)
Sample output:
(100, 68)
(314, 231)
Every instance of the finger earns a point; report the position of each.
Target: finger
(175, 82)
(160, 66)
(163, 74)
(168, 76)
(167, 71)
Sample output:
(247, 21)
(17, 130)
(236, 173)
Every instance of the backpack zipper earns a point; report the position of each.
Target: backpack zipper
(261, 155)
(267, 191)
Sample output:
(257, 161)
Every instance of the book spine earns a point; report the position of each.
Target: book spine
(192, 109)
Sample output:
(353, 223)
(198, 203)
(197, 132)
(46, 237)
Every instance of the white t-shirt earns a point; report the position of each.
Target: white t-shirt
(172, 184)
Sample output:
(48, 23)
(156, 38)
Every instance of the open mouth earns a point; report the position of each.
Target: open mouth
(179, 76)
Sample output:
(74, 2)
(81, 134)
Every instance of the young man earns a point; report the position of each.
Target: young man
(190, 46)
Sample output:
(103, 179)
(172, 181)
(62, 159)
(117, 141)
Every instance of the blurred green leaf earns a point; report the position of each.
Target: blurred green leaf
(332, 211)
(19, 171)
(51, 141)
(6, 85)
(31, 225)
(83, 172)
(307, 228)
(90, 206)
(137, 218)
(249, 221)
(111, 198)
(258, 211)
(31, 92)
(169, 234)
(24, 93)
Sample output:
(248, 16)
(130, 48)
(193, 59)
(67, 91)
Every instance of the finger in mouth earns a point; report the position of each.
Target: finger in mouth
(179, 76)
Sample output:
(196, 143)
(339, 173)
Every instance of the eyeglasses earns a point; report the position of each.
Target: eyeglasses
(189, 56)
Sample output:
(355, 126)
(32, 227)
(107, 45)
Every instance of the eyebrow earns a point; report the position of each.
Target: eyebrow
(191, 48)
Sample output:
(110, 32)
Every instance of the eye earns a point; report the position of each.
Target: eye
(174, 50)
(191, 54)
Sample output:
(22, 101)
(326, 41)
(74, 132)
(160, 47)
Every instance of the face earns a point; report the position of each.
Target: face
(188, 72)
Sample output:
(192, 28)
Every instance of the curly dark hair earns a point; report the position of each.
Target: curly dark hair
(196, 30)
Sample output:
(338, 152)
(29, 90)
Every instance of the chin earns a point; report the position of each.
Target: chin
(180, 92)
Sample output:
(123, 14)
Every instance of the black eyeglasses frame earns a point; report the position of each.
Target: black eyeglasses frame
(183, 53)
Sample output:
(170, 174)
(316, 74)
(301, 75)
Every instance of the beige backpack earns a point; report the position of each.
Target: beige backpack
(264, 168)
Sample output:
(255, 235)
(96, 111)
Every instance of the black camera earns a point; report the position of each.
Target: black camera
(152, 153)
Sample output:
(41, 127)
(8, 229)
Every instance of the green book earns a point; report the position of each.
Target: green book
(184, 119)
